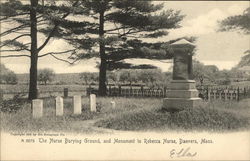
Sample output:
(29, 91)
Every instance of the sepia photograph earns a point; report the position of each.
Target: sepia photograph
(124, 80)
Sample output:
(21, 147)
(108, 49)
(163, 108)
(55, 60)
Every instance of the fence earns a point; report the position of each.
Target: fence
(236, 94)
(208, 93)
(132, 91)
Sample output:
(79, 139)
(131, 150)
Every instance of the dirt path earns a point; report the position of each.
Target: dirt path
(89, 125)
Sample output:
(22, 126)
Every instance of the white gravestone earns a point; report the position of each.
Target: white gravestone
(77, 105)
(93, 103)
(112, 104)
(59, 106)
(37, 108)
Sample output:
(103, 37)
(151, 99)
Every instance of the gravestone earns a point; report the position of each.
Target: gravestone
(77, 101)
(37, 108)
(112, 104)
(93, 103)
(182, 92)
(65, 92)
(59, 106)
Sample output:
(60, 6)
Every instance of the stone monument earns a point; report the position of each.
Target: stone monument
(182, 93)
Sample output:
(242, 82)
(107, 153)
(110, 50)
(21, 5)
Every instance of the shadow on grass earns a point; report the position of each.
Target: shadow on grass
(141, 114)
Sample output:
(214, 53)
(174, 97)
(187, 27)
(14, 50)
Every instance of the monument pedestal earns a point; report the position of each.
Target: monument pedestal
(182, 94)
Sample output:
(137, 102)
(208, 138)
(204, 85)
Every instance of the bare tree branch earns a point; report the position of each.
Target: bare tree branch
(21, 32)
(9, 56)
(48, 38)
(6, 21)
(27, 44)
(115, 29)
(64, 60)
(13, 29)
(162, 61)
(54, 30)
(20, 14)
(14, 39)
(14, 50)
(128, 32)
(52, 53)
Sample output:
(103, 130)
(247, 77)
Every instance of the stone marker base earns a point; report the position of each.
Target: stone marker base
(182, 94)
(179, 104)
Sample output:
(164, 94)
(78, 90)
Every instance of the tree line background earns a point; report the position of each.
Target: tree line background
(152, 78)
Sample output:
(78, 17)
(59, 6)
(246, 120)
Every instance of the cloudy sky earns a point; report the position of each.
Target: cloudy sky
(223, 49)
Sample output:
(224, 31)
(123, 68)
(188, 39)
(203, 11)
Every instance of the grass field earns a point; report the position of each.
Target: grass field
(130, 114)
(21, 88)
(62, 78)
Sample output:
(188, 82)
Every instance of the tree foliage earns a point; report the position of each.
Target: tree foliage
(237, 22)
(7, 76)
(153, 78)
(242, 23)
(46, 75)
(88, 77)
(204, 74)
(245, 60)
(128, 76)
(117, 28)
(23, 21)
(111, 30)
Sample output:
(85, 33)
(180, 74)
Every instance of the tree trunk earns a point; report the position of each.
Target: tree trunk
(103, 67)
(34, 54)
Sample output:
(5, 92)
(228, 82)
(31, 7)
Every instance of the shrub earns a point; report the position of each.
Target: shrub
(8, 77)
(46, 75)
(12, 105)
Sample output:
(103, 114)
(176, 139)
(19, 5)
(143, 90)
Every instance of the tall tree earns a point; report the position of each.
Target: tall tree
(27, 20)
(240, 23)
(245, 60)
(120, 27)
(237, 22)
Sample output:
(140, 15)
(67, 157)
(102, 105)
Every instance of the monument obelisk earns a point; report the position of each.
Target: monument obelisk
(182, 92)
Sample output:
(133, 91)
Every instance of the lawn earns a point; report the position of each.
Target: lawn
(130, 114)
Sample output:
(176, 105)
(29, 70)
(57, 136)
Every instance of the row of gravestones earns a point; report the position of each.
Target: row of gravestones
(37, 106)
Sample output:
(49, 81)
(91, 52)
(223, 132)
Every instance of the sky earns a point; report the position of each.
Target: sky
(223, 49)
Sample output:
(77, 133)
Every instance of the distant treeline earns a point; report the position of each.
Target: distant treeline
(59, 78)
(149, 77)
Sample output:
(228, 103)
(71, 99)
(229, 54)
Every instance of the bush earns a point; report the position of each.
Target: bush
(12, 105)
(46, 75)
(225, 81)
(89, 78)
(9, 78)
(60, 83)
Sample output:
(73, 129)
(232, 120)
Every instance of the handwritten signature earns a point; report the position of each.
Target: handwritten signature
(184, 152)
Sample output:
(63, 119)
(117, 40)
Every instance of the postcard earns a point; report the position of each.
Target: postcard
(124, 80)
